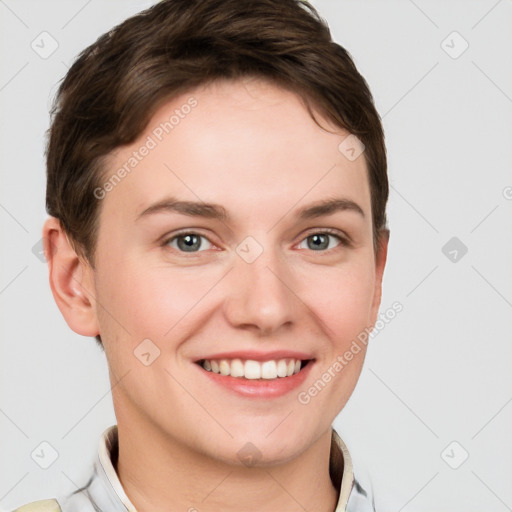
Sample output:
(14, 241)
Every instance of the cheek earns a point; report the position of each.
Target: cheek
(341, 299)
(154, 301)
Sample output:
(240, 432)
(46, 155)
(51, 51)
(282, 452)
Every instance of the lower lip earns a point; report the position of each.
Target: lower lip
(260, 388)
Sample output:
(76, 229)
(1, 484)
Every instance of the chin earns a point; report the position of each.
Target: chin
(260, 446)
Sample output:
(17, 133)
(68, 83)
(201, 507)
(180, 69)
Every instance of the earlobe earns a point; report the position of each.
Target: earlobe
(71, 280)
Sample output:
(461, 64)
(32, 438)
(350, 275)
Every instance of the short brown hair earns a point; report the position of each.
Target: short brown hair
(115, 86)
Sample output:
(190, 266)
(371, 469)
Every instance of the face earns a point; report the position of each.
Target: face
(215, 254)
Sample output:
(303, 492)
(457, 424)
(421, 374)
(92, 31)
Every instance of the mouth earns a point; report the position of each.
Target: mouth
(250, 369)
(256, 375)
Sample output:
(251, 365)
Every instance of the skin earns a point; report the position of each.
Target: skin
(252, 148)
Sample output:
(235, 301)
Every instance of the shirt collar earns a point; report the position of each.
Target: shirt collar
(106, 492)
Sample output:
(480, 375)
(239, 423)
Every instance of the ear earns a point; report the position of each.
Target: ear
(71, 280)
(380, 263)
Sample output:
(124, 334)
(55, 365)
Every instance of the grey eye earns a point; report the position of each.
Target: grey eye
(189, 242)
(319, 241)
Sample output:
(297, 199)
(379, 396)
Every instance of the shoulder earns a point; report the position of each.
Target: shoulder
(51, 505)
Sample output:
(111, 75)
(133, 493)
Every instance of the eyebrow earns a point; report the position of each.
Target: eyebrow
(216, 211)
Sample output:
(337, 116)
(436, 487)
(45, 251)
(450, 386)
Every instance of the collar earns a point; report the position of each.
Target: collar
(104, 491)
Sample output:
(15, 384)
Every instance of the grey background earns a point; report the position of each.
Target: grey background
(439, 372)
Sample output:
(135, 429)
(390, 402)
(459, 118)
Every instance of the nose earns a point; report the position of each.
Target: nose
(261, 296)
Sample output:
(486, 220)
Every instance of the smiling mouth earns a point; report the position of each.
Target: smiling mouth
(254, 370)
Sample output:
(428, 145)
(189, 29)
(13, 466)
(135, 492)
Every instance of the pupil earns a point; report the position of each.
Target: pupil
(189, 242)
(319, 241)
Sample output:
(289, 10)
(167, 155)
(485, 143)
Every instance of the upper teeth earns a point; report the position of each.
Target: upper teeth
(253, 369)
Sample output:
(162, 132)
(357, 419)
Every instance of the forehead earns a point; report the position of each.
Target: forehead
(247, 144)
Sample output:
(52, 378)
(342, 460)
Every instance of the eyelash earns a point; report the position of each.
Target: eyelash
(343, 241)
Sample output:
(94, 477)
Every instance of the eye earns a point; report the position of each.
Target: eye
(188, 242)
(322, 241)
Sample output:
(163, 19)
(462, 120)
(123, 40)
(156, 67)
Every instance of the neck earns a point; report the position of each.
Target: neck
(159, 473)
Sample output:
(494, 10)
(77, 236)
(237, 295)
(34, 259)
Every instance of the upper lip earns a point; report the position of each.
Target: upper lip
(256, 355)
